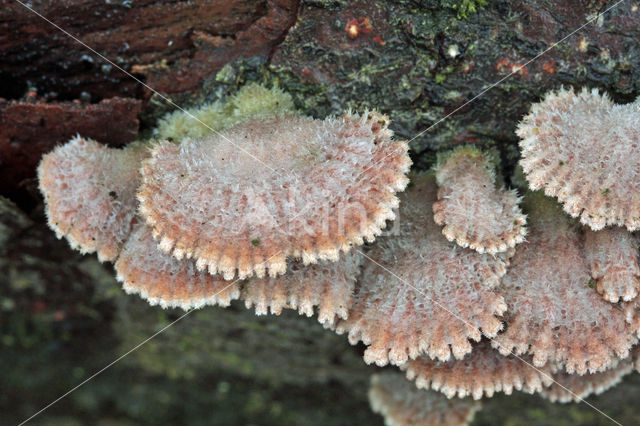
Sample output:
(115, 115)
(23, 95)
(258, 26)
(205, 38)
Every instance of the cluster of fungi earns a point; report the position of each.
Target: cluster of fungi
(475, 290)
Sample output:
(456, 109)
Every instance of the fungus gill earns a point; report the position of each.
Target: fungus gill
(573, 387)
(327, 285)
(164, 280)
(474, 212)
(318, 187)
(481, 373)
(421, 294)
(585, 150)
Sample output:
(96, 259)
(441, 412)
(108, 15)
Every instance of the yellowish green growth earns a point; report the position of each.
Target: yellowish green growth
(518, 180)
(489, 158)
(255, 100)
(250, 101)
(464, 8)
(538, 205)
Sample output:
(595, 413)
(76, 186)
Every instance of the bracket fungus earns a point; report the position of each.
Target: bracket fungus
(274, 187)
(481, 373)
(553, 313)
(612, 254)
(89, 191)
(421, 294)
(327, 285)
(402, 404)
(90, 197)
(474, 212)
(573, 387)
(164, 280)
(585, 150)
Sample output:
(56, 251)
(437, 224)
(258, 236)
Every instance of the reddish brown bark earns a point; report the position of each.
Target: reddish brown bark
(175, 44)
(28, 130)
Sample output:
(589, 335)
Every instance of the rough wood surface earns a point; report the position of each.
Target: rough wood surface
(173, 44)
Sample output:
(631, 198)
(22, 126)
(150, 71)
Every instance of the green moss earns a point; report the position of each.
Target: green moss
(541, 207)
(488, 159)
(250, 101)
(464, 8)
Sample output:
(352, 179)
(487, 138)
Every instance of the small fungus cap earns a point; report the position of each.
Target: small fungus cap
(573, 387)
(89, 191)
(474, 212)
(402, 404)
(163, 280)
(585, 150)
(421, 294)
(481, 373)
(274, 187)
(327, 285)
(554, 313)
(612, 254)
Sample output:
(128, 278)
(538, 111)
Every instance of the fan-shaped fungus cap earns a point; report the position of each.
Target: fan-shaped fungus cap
(271, 188)
(573, 388)
(89, 191)
(553, 313)
(402, 404)
(585, 150)
(327, 285)
(164, 280)
(472, 210)
(481, 373)
(612, 255)
(421, 294)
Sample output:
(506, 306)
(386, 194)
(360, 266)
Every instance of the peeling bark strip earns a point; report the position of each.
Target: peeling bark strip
(175, 44)
(28, 130)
